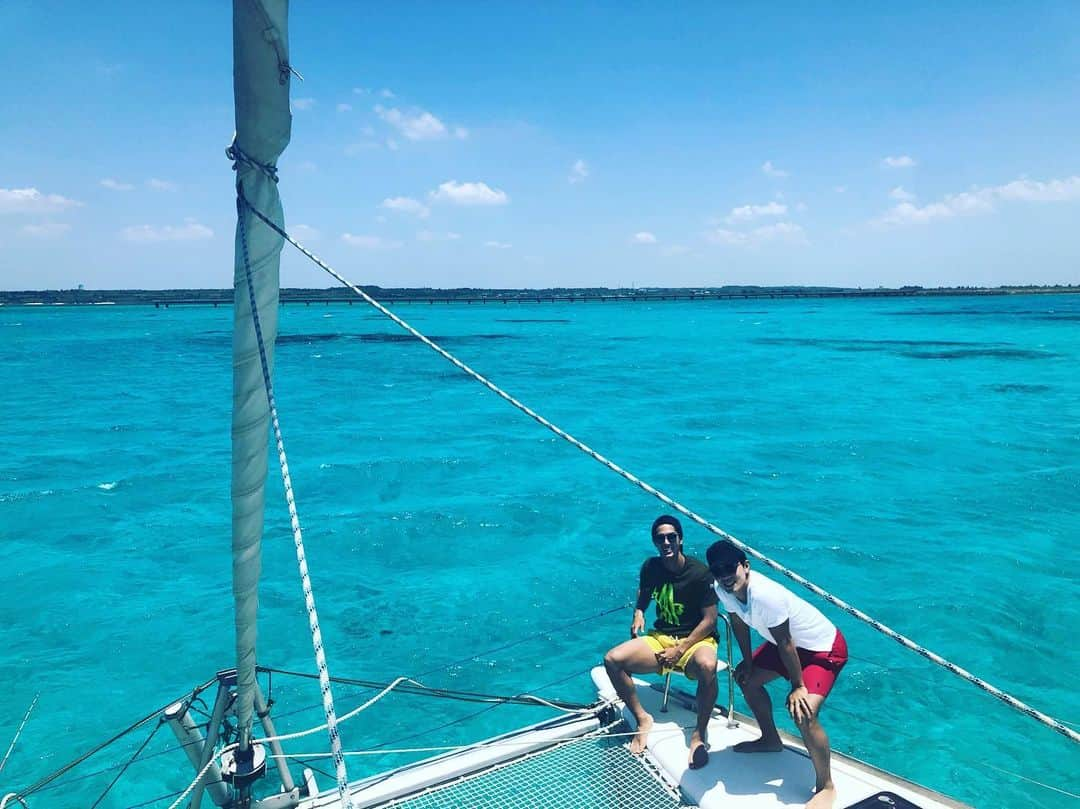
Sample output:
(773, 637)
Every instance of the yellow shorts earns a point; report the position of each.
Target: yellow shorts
(658, 642)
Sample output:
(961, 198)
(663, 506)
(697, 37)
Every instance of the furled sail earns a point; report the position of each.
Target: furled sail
(263, 125)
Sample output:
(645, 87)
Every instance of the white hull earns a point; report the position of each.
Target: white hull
(729, 781)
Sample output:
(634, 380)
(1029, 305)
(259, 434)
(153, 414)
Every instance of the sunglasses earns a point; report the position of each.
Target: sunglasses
(660, 539)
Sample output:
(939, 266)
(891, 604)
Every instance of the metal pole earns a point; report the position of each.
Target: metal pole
(190, 738)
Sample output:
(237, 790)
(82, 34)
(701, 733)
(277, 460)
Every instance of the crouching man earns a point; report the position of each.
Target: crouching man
(682, 639)
(801, 644)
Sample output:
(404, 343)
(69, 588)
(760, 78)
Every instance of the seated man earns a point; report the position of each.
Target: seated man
(682, 639)
(801, 644)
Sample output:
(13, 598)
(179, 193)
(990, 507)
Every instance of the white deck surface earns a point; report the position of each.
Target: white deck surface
(752, 781)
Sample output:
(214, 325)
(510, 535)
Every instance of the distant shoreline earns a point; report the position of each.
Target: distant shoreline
(223, 297)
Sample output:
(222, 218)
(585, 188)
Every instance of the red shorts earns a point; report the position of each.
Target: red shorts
(819, 669)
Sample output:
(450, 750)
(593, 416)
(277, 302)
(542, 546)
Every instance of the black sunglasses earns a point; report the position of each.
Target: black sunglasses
(660, 539)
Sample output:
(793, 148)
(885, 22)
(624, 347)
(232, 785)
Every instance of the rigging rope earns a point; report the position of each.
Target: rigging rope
(128, 763)
(42, 782)
(475, 655)
(298, 538)
(18, 732)
(903, 640)
(413, 687)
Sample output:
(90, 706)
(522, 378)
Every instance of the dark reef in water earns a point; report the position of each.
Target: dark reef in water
(916, 349)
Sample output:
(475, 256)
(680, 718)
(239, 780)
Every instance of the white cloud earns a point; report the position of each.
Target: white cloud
(840, 189)
(343, 107)
(773, 171)
(415, 125)
(304, 233)
(302, 104)
(406, 205)
(898, 162)
(461, 133)
(982, 201)
(468, 194)
(369, 242)
(901, 195)
(428, 236)
(579, 171)
(160, 185)
(190, 231)
(779, 232)
(498, 245)
(360, 91)
(116, 185)
(48, 230)
(746, 213)
(30, 200)
(385, 93)
(643, 237)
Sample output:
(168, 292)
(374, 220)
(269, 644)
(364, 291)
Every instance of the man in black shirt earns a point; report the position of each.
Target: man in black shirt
(683, 638)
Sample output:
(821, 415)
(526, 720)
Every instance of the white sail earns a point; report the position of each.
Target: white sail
(263, 126)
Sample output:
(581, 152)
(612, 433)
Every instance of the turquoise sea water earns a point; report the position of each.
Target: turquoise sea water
(920, 458)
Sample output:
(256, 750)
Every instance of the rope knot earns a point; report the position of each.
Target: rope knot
(237, 155)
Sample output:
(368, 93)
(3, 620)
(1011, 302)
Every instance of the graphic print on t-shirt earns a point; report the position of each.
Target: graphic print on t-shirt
(669, 609)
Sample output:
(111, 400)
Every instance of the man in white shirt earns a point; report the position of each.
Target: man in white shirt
(801, 644)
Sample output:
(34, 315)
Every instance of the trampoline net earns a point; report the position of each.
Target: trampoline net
(597, 772)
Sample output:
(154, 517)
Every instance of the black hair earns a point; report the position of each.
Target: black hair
(723, 555)
(667, 519)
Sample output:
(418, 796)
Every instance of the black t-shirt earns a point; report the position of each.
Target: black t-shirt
(680, 597)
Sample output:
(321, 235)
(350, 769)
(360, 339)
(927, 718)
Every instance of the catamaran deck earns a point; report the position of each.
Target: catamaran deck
(572, 763)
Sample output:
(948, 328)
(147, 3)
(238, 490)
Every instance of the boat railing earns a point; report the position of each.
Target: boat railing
(728, 667)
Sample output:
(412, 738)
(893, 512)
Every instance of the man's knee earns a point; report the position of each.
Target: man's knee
(616, 658)
(704, 665)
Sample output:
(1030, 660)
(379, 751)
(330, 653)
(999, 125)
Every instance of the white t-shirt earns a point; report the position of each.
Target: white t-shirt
(769, 604)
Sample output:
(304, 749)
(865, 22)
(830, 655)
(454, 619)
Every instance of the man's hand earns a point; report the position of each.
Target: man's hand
(744, 671)
(638, 624)
(798, 706)
(667, 658)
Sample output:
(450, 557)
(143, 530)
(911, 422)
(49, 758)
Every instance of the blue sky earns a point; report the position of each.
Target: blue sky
(439, 144)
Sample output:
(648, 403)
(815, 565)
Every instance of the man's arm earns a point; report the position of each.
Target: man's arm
(705, 627)
(742, 637)
(637, 625)
(797, 705)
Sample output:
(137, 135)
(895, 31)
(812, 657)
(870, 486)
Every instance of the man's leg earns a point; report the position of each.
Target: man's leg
(702, 667)
(761, 706)
(817, 745)
(634, 656)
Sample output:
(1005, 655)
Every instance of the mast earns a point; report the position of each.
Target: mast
(261, 75)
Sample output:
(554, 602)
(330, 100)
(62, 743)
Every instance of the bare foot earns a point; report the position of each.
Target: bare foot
(824, 799)
(641, 738)
(761, 745)
(699, 751)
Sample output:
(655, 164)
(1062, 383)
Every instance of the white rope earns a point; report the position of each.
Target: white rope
(7, 798)
(202, 772)
(1031, 780)
(18, 732)
(298, 538)
(1008, 699)
(349, 715)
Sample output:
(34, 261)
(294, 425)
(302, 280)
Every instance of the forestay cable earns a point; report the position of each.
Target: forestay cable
(903, 640)
(294, 519)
